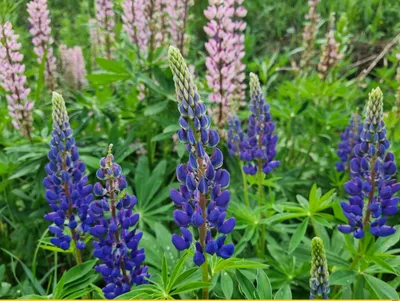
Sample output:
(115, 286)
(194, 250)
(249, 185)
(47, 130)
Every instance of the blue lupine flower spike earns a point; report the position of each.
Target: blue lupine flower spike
(236, 136)
(260, 146)
(372, 170)
(67, 192)
(319, 286)
(114, 227)
(202, 197)
(349, 138)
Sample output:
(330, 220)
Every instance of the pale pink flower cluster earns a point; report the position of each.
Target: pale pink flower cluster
(105, 20)
(225, 71)
(95, 40)
(135, 23)
(330, 52)
(149, 23)
(178, 13)
(13, 80)
(309, 33)
(73, 66)
(39, 18)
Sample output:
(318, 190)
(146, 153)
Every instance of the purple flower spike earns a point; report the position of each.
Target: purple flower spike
(350, 138)
(113, 224)
(259, 149)
(202, 195)
(67, 192)
(371, 169)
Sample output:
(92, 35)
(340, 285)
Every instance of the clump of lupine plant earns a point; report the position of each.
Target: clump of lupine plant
(309, 33)
(259, 147)
(106, 23)
(39, 18)
(114, 227)
(13, 80)
(372, 171)
(67, 191)
(202, 195)
(225, 48)
(349, 138)
(330, 51)
(319, 286)
(73, 66)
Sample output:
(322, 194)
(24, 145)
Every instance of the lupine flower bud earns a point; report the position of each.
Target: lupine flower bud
(201, 195)
(41, 38)
(114, 227)
(225, 71)
(309, 33)
(330, 51)
(349, 138)
(73, 66)
(105, 21)
(319, 285)
(67, 191)
(260, 145)
(372, 170)
(13, 80)
(236, 136)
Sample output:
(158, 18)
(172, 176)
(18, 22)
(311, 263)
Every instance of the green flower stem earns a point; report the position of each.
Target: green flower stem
(245, 186)
(203, 232)
(260, 204)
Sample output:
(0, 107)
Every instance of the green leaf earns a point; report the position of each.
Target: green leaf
(298, 235)
(264, 288)
(381, 288)
(106, 78)
(237, 263)
(313, 198)
(246, 286)
(383, 264)
(176, 271)
(164, 271)
(111, 66)
(59, 287)
(284, 293)
(303, 201)
(385, 243)
(156, 108)
(226, 285)
(185, 276)
(162, 136)
(79, 271)
(342, 277)
(2, 272)
(280, 217)
(192, 286)
(33, 297)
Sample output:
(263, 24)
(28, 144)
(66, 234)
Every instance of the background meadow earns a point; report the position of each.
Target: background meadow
(316, 63)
